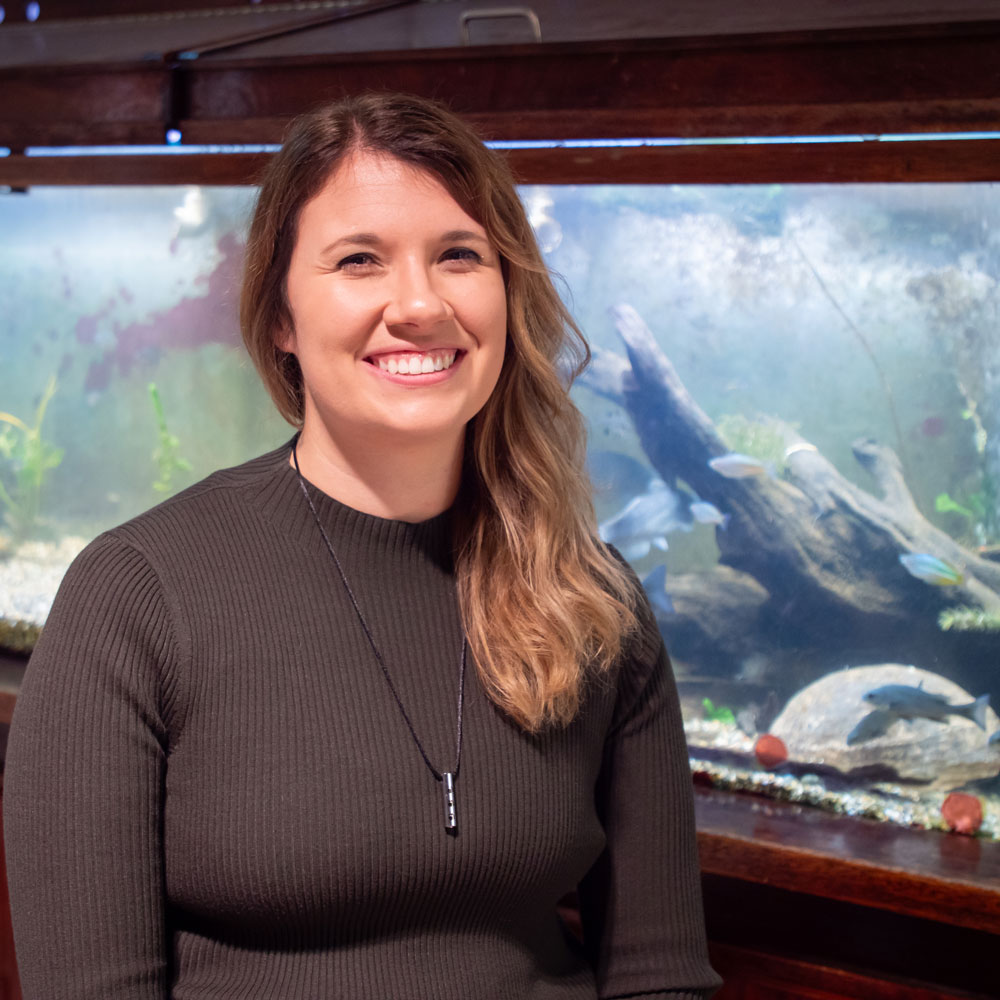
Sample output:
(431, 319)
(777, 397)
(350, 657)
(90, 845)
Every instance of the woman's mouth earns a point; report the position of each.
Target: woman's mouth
(414, 362)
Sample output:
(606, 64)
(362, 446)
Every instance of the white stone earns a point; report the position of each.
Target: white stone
(815, 723)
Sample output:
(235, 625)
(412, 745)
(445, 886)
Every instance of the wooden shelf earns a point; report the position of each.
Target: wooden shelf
(948, 878)
(803, 903)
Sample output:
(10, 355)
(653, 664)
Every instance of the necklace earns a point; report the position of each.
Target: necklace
(447, 778)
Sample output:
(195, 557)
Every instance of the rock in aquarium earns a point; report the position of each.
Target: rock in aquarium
(846, 720)
(770, 751)
(962, 812)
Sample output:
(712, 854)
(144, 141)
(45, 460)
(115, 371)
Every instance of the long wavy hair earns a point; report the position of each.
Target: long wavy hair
(544, 603)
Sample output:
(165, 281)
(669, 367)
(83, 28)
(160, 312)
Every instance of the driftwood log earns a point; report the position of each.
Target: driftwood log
(825, 551)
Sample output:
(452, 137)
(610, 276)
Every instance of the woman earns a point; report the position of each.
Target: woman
(249, 759)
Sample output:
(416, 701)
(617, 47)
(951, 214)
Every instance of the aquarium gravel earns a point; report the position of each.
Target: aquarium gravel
(30, 577)
(903, 805)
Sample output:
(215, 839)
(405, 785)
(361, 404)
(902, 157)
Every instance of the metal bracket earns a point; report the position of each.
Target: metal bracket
(490, 13)
(359, 9)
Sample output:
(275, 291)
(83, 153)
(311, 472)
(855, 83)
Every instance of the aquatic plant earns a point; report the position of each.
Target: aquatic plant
(759, 438)
(963, 618)
(975, 511)
(866, 346)
(944, 504)
(28, 459)
(718, 713)
(165, 455)
(18, 636)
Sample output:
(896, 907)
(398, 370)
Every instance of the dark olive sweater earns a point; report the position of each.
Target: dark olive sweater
(211, 793)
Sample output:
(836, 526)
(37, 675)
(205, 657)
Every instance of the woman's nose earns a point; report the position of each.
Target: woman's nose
(414, 299)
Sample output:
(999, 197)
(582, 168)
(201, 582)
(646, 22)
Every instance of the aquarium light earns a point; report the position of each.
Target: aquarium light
(178, 148)
(753, 140)
(147, 150)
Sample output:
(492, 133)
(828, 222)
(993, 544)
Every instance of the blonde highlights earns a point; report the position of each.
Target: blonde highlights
(544, 603)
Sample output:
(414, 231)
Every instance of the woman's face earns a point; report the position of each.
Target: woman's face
(398, 307)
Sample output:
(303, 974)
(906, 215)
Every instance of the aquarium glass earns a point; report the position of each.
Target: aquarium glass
(794, 438)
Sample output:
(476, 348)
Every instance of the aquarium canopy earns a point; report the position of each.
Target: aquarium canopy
(232, 73)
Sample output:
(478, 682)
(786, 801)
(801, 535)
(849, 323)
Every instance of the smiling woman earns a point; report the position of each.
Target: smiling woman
(398, 323)
(352, 718)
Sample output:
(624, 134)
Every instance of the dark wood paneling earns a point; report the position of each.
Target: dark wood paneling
(972, 160)
(186, 168)
(757, 975)
(943, 877)
(115, 105)
(941, 78)
(908, 80)
(829, 933)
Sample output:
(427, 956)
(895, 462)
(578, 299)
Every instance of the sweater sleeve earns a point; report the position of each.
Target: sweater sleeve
(84, 780)
(641, 903)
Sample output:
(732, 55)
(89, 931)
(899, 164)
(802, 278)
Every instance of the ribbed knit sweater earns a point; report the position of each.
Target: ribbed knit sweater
(211, 793)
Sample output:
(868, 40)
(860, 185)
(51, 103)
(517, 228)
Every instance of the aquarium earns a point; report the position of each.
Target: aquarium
(794, 438)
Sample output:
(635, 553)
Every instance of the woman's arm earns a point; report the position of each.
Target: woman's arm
(641, 903)
(84, 788)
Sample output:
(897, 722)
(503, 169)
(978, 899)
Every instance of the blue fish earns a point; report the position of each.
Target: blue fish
(707, 513)
(737, 466)
(907, 702)
(655, 585)
(646, 520)
(931, 570)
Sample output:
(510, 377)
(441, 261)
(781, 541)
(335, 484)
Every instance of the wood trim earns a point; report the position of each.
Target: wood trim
(915, 79)
(785, 163)
(161, 168)
(753, 975)
(937, 876)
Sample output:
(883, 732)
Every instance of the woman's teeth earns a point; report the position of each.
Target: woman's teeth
(416, 364)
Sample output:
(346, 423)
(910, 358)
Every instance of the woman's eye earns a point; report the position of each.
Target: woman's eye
(355, 262)
(463, 254)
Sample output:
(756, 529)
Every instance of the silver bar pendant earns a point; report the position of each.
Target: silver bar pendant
(450, 816)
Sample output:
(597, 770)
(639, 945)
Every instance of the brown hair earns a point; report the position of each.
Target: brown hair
(543, 601)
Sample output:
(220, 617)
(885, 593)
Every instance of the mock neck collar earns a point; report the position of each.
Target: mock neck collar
(280, 495)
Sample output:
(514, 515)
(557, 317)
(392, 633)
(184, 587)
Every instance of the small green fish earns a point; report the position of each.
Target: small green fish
(931, 570)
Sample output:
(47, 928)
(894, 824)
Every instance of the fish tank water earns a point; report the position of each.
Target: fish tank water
(794, 438)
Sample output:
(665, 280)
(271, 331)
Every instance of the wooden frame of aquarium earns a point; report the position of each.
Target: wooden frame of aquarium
(769, 866)
(804, 903)
(919, 80)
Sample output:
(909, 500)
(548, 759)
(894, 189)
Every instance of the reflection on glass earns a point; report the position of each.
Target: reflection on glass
(794, 414)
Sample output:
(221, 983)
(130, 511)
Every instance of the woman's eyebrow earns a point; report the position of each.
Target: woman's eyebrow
(459, 235)
(352, 239)
(372, 240)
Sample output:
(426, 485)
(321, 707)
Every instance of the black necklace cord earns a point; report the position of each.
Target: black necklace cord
(378, 656)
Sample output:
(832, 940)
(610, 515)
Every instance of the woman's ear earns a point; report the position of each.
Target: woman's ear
(284, 339)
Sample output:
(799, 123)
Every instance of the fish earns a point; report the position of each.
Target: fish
(646, 520)
(872, 725)
(931, 569)
(908, 702)
(655, 585)
(707, 513)
(616, 476)
(737, 466)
